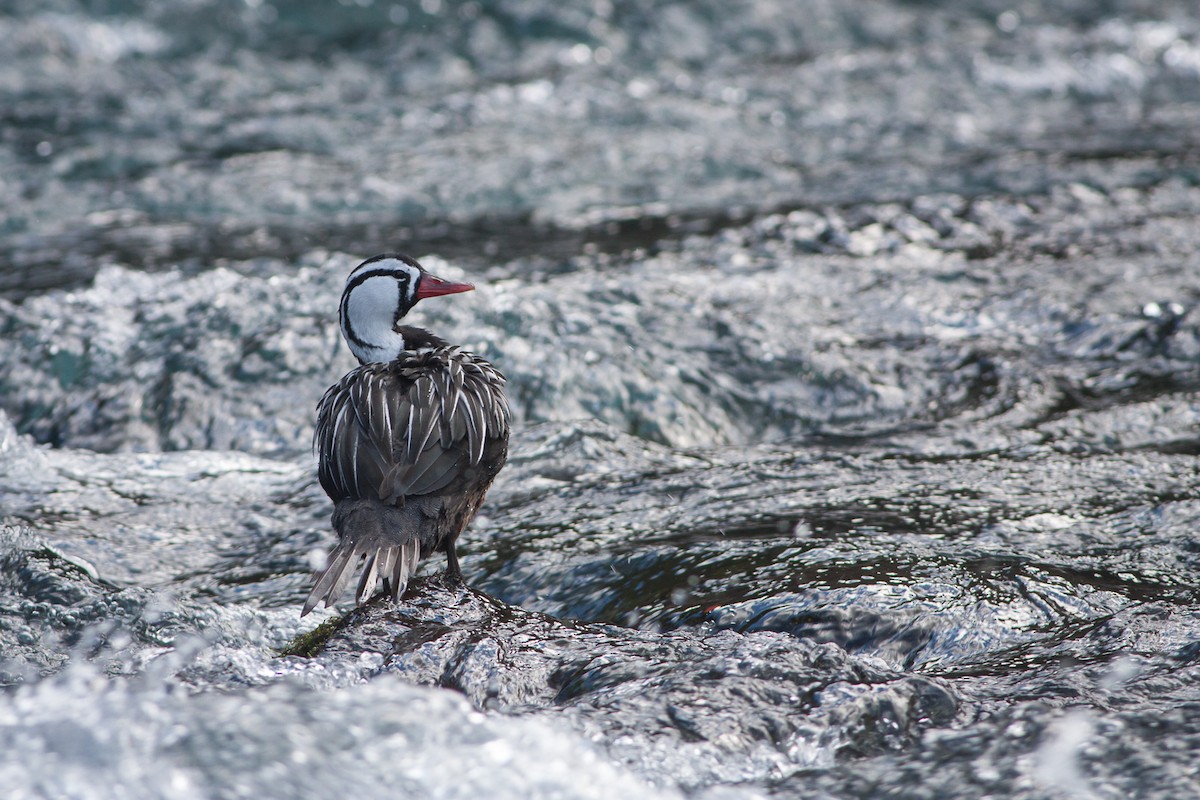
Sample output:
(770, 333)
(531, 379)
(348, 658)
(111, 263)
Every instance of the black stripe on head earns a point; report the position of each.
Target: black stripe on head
(359, 275)
(412, 262)
(348, 327)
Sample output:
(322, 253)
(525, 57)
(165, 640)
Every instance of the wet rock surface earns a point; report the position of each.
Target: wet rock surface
(853, 353)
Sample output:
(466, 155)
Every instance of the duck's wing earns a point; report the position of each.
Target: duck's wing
(420, 425)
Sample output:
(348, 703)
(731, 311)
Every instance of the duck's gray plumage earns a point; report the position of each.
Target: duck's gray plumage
(407, 450)
(410, 427)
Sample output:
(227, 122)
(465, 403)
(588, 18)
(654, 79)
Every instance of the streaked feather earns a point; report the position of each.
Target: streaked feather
(399, 445)
(330, 580)
(370, 573)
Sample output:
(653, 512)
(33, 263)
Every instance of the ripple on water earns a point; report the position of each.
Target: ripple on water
(853, 352)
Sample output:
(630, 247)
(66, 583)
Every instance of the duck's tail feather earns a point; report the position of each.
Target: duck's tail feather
(387, 537)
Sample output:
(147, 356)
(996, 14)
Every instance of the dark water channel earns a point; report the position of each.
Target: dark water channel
(853, 350)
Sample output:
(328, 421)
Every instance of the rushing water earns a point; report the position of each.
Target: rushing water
(852, 347)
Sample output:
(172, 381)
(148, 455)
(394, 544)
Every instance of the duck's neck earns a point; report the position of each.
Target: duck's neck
(380, 348)
(419, 340)
(368, 318)
(387, 346)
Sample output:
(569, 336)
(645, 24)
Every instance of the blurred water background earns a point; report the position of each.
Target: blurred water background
(852, 347)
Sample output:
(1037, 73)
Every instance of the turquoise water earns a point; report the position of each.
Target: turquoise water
(852, 350)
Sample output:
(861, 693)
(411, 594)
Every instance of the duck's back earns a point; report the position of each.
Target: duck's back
(407, 451)
(434, 422)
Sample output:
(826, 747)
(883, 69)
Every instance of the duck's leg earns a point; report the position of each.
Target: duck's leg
(453, 570)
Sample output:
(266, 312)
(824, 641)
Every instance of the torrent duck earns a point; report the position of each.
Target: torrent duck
(409, 441)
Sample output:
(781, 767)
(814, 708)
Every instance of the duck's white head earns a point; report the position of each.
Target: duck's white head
(378, 293)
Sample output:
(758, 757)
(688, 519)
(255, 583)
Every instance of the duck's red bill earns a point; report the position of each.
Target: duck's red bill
(433, 286)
